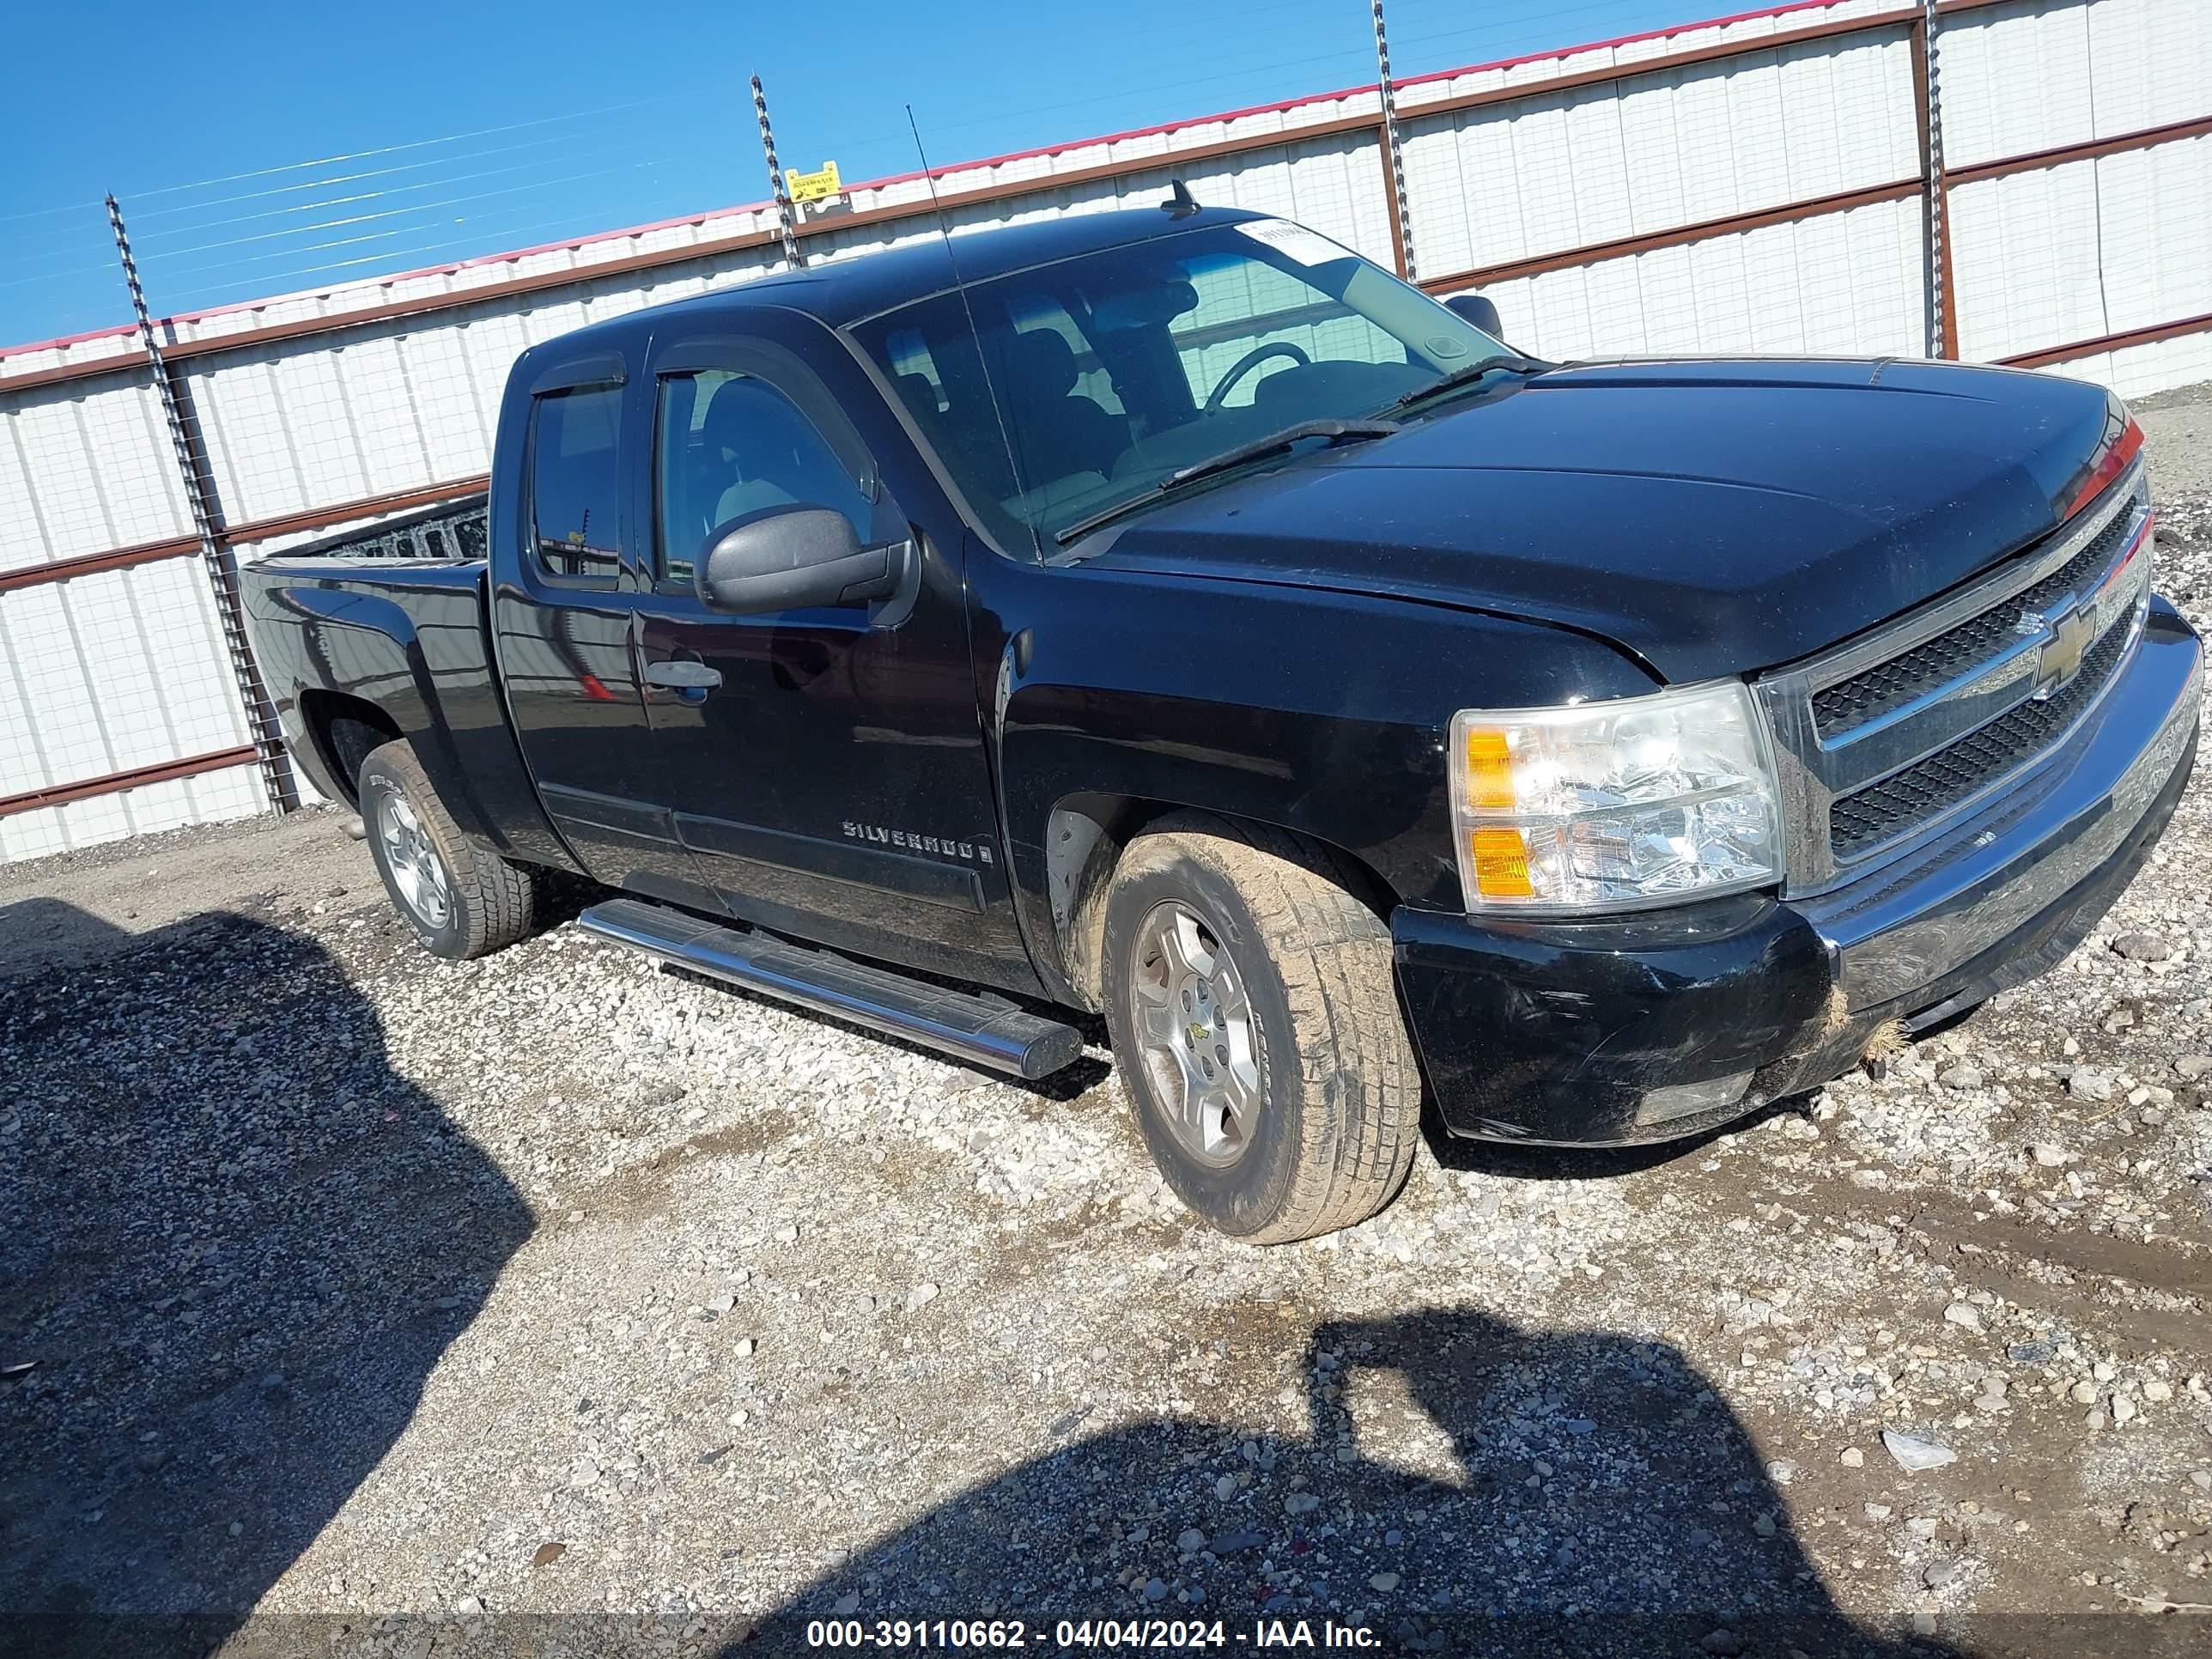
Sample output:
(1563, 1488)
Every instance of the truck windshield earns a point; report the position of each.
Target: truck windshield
(1115, 369)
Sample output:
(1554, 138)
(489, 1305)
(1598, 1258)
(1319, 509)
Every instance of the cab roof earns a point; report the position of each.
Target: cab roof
(849, 290)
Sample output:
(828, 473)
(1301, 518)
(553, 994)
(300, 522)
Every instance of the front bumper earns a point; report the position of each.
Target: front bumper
(1560, 1032)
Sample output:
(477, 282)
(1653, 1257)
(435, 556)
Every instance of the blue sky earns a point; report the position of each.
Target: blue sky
(468, 129)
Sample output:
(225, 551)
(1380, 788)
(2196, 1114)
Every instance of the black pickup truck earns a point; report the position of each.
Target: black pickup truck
(1172, 616)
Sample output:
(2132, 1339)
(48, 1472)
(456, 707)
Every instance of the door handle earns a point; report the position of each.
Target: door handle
(688, 680)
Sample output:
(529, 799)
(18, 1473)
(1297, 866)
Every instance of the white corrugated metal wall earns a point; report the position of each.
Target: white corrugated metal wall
(2093, 248)
(1504, 183)
(117, 669)
(1731, 197)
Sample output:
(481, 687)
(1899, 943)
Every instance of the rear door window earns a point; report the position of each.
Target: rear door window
(575, 482)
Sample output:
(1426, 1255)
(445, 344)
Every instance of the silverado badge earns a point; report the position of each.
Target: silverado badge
(946, 846)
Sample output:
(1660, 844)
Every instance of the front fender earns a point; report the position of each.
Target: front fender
(1321, 713)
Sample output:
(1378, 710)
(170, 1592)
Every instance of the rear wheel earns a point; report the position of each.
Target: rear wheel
(1254, 1011)
(461, 899)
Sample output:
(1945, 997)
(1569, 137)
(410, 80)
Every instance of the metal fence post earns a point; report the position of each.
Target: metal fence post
(1928, 86)
(1393, 162)
(785, 215)
(277, 781)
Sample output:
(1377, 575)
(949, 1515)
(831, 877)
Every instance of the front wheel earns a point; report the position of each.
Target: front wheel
(1254, 1014)
(461, 899)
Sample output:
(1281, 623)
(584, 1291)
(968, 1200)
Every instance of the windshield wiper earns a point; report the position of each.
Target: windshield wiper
(1336, 432)
(1468, 374)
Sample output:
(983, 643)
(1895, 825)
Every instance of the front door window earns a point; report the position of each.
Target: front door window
(733, 446)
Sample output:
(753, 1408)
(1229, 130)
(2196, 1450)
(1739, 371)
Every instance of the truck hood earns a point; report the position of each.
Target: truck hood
(1712, 518)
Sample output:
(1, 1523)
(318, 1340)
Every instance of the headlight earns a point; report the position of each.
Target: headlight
(1615, 805)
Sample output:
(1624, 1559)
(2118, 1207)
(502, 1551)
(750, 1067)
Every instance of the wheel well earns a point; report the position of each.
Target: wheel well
(1084, 841)
(344, 730)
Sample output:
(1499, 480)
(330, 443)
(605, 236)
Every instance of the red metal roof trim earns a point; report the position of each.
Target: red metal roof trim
(61, 794)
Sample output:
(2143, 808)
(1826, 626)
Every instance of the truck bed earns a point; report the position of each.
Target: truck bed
(450, 532)
(328, 615)
(388, 625)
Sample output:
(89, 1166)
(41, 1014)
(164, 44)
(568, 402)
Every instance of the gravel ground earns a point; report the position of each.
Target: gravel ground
(377, 1305)
(2177, 429)
(82, 906)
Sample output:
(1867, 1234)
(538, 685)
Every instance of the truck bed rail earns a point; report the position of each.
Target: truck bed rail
(452, 531)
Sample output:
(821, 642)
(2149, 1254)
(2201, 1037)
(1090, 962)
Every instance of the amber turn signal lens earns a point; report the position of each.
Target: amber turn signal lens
(1501, 863)
(1489, 770)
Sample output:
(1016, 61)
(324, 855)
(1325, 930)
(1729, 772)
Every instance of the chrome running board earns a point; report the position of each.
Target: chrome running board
(975, 1026)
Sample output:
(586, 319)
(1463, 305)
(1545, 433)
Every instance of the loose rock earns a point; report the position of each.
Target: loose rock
(1914, 1455)
(2086, 1082)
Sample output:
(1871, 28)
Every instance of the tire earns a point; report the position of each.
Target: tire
(1308, 1102)
(461, 901)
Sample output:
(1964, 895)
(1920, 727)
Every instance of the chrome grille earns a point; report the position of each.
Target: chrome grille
(1885, 740)
(1891, 685)
(1868, 818)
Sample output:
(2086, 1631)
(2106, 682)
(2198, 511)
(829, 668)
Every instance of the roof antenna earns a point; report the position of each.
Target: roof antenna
(1181, 203)
(983, 359)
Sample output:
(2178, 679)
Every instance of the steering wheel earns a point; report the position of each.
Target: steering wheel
(1250, 360)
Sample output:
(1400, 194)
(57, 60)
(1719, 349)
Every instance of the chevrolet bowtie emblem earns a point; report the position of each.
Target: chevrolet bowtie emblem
(2065, 640)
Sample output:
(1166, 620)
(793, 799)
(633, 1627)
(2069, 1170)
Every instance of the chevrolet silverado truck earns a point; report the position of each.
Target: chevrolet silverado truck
(1171, 616)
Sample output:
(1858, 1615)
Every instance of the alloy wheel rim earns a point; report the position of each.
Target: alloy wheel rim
(417, 870)
(1193, 1016)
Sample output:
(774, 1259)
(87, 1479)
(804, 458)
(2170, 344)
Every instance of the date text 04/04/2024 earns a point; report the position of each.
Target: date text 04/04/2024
(998, 1635)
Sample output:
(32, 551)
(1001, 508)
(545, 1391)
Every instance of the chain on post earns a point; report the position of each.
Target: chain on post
(276, 766)
(1397, 162)
(1939, 322)
(785, 215)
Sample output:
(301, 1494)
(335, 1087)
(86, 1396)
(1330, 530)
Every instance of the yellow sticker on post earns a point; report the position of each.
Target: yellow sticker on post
(814, 186)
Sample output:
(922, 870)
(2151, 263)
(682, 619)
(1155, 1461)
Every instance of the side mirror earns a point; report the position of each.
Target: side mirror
(1481, 311)
(790, 558)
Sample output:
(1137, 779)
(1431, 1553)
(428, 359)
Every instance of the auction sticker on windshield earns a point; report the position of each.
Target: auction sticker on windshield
(1308, 247)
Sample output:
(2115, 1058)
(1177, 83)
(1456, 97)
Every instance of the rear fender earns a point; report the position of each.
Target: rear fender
(367, 646)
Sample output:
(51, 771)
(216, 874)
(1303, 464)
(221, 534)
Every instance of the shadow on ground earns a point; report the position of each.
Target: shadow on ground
(1456, 1155)
(236, 1242)
(1582, 1493)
